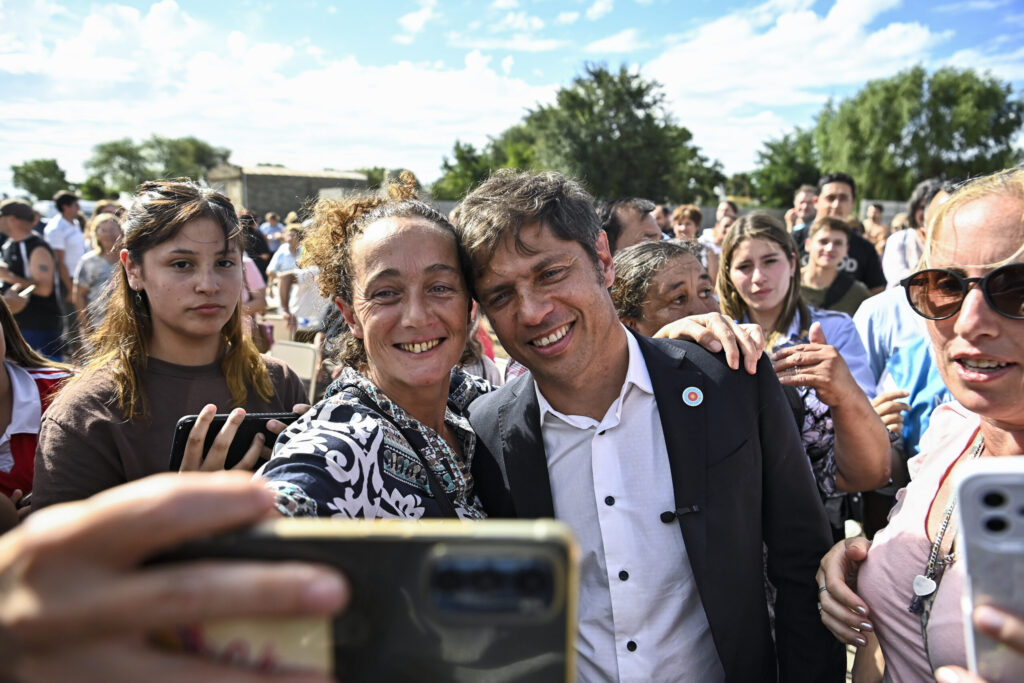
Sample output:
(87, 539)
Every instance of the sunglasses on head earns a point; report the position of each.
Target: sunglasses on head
(937, 293)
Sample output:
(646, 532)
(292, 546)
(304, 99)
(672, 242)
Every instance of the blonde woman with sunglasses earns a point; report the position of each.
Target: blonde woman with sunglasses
(906, 586)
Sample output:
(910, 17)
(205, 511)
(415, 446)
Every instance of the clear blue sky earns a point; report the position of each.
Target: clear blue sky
(314, 84)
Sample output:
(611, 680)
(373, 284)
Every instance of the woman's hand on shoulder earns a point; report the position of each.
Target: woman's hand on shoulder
(215, 459)
(817, 365)
(716, 332)
(1001, 626)
(842, 611)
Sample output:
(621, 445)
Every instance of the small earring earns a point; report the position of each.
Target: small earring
(138, 298)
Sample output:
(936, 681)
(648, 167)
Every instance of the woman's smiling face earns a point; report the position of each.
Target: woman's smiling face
(410, 305)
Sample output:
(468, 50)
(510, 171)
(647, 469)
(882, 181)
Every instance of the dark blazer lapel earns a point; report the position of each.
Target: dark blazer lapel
(685, 427)
(526, 464)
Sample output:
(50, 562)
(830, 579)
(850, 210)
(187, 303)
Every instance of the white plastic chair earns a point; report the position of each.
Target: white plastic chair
(300, 357)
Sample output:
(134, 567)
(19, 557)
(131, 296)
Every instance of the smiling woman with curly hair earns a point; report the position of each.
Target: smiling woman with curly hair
(389, 439)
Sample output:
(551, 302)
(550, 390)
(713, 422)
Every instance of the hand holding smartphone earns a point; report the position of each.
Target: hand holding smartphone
(432, 600)
(212, 441)
(991, 539)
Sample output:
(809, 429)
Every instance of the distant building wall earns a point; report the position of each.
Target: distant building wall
(267, 188)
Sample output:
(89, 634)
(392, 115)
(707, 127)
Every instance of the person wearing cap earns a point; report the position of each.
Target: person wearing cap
(28, 261)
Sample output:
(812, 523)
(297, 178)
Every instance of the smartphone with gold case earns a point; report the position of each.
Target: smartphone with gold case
(432, 600)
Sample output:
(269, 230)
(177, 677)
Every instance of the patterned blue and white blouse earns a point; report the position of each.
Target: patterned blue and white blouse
(344, 459)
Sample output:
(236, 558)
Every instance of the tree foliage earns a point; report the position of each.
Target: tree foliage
(121, 165)
(467, 168)
(374, 176)
(783, 165)
(607, 128)
(897, 131)
(42, 178)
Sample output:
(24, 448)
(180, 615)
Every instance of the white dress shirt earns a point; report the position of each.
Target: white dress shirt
(640, 616)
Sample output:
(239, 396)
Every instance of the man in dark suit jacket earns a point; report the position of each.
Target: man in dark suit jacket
(723, 459)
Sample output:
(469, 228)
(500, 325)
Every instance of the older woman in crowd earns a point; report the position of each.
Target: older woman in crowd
(971, 291)
(95, 270)
(657, 283)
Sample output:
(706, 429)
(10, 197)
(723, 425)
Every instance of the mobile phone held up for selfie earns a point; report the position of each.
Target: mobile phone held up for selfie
(991, 539)
(252, 424)
(432, 600)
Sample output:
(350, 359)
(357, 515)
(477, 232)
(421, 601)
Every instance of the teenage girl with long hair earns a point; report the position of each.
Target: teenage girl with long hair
(171, 344)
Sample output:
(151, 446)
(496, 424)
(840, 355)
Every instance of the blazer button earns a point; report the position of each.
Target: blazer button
(631, 646)
(609, 500)
(623, 575)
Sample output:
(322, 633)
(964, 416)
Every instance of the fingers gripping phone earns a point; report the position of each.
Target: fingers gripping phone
(991, 506)
(251, 425)
(432, 600)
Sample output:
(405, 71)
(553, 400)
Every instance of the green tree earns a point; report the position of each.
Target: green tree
(93, 188)
(42, 178)
(783, 165)
(374, 176)
(467, 168)
(516, 147)
(739, 185)
(187, 157)
(609, 129)
(121, 165)
(896, 131)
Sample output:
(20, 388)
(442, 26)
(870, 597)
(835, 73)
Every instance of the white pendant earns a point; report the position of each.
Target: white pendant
(923, 586)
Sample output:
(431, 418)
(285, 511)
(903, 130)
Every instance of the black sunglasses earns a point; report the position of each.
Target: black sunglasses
(938, 293)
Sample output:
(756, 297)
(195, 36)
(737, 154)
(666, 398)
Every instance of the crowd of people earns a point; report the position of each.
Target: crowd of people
(706, 411)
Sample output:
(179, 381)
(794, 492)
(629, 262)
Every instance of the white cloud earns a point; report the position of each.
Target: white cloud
(734, 81)
(507, 64)
(520, 42)
(599, 9)
(517, 21)
(505, 4)
(566, 18)
(194, 80)
(413, 22)
(972, 6)
(623, 41)
(1005, 66)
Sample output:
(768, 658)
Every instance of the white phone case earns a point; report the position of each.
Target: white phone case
(991, 542)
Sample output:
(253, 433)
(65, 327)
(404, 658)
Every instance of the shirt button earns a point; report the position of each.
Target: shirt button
(601, 433)
(609, 500)
(631, 646)
(623, 575)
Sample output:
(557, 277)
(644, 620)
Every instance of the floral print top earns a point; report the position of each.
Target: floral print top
(345, 459)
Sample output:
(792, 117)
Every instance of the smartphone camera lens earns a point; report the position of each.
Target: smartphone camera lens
(994, 499)
(486, 580)
(996, 524)
(447, 580)
(532, 582)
